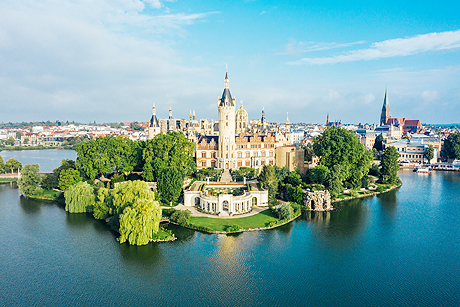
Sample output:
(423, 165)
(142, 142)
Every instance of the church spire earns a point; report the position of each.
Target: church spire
(154, 112)
(386, 115)
(327, 119)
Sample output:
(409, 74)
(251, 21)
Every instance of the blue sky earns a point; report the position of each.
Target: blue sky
(108, 61)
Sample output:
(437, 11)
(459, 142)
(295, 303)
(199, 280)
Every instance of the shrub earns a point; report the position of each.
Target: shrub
(115, 179)
(233, 228)
(181, 217)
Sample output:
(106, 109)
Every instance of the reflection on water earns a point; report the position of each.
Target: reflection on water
(29, 205)
(401, 248)
(144, 257)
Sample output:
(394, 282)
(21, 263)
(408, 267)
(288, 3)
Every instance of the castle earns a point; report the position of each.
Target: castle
(232, 142)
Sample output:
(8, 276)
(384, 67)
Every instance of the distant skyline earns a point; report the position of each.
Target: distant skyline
(109, 61)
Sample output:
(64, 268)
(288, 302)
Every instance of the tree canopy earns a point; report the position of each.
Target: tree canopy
(13, 164)
(378, 145)
(452, 146)
(140, 222)
(68, 178)
(29, 183)
(2, 164)
(169, 183)
(429, 153)
(340, 150)
(171, 149)
(79, 198)
(107, 154)
(389, 165)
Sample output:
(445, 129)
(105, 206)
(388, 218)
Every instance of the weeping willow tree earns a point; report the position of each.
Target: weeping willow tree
(140, 222)
(79, 198)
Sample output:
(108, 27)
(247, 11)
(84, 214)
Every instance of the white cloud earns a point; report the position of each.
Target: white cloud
(393, 48)
(332, 95)
(369, 98)
(430, 95)
(80, 59)
(294, 48)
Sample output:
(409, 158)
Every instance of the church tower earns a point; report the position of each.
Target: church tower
(226, 155)
(385, 110)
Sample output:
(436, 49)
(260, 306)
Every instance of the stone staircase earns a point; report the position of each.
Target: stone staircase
(225, 177)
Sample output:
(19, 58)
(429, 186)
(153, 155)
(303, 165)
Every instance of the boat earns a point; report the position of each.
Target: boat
(423, 170)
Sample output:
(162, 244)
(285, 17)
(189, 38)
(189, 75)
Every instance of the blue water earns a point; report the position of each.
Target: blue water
(47, 160)
(397, 249)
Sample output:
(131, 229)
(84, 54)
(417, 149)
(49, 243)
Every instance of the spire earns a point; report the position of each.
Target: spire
(241, 106)
(190, 117)
(287, 119)
(193, 114)
(327, 120)
(226, 81)
(170, 113)
(386, 115)
(154, 112)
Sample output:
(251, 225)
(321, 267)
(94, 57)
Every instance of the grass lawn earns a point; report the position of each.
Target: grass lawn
(220, 224)
(162, 234)
(50, 194)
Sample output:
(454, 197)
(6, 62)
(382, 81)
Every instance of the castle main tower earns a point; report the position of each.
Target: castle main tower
(226, 154)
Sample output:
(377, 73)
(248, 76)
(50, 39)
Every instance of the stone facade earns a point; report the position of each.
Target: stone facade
(317, 200)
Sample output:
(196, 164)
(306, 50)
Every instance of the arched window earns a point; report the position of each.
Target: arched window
(203, 163)
(226, 117)
(203, 154)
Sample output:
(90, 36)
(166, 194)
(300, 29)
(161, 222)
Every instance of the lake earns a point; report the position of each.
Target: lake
(401, 248)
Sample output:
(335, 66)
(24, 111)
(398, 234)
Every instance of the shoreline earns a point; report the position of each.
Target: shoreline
(239, 231)
(366, 195)
(22, 148)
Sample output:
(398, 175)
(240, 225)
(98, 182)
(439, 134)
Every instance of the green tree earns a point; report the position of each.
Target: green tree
(181, 217)
(140, 222)
(319, 174)
(309, 152)
(2, 164)
(26, 140)
(135, 126)
(68, 178)
(293, 178)
(30, 180)
(389, 166)
(295, 194)
(10, 141)
(147, 171)
(171, 149)
(18, 135)
(281, 173)
(452, 145)
(103, 201)
(268, 176)
(13, 164)
(50, 181)
(378, 145)
(334, 182)
(341, 149)
(429, 153)
(169, 184)
(79, 198)
(284, 211)
(375, 154)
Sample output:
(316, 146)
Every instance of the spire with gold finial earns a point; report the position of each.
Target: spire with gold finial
(287, 119)
(226, 81)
